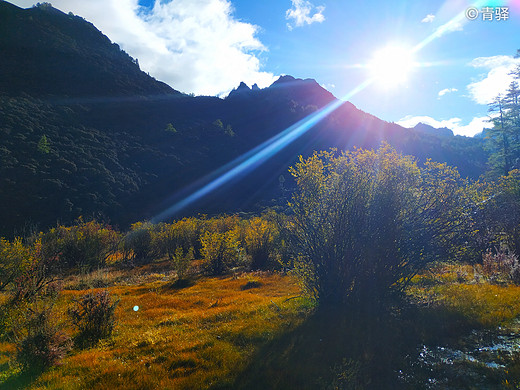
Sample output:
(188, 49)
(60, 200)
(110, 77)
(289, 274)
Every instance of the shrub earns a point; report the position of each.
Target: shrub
(37, 273)
(259, 237)
(42, 344)
(94, 316)
(189, 231)
(137, 243)
(365, 222)
(221, 251)
(85, 245)
(185, 234)
(181, 261)
(501, 266)
(14, 258)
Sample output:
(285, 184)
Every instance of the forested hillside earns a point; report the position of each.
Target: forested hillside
(85, 132)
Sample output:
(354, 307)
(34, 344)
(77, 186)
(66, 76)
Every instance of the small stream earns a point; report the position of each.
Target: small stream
(480, 360)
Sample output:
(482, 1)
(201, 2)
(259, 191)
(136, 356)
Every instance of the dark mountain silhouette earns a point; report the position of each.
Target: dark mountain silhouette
(85, 132)
(46, 52)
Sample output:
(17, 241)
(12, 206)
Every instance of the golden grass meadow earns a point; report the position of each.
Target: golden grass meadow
(206, 333)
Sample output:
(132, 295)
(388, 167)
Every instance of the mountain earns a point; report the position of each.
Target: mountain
(46, 52)
(85, 132)
(425, 128)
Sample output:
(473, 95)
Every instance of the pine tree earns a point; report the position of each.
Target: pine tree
(504, 138)
(512, 105)
(43, 145)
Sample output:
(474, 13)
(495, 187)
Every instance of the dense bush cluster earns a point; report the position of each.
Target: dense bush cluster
(221, 242)
(28, 265)
(365, 222)
(85, 245)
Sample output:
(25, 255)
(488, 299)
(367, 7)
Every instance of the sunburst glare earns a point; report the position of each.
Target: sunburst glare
(391, 66)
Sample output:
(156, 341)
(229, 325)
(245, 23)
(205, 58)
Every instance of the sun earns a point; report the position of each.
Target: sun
(391, 66)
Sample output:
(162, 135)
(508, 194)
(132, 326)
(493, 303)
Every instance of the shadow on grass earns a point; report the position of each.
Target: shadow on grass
(21, 380)
(251, 284)
(350, 349)
(180, 284)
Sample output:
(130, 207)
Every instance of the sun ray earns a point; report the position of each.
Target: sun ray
(257, 156)
(266, 150)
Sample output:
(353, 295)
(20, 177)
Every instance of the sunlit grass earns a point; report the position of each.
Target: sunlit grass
(206, 333)
(179, 338)
(485, 304)
(107, 277)
(458, 288)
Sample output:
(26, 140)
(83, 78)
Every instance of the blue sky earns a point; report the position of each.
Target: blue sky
(209, 46)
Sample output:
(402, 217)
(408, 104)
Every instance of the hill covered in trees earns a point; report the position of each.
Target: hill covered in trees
(48, 53)
(86, 132)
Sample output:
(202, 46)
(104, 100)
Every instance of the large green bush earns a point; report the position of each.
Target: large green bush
(259, 239)
(14, 259)
(221, 251)
(185, 234)
(136, 245)
(365, 222)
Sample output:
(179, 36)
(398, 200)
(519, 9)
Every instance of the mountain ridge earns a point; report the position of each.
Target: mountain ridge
(428, 129)
(30, 40)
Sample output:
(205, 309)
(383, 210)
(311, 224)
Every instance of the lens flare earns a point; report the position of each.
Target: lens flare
(257, 156)
(391, 65)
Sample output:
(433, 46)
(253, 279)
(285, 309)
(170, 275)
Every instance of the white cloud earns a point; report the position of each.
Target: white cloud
(444, 91)
(428, 18)
(495, 81)
(452, 26)
(410, 121)
(193, 45)
(476, 125)
(300, 14)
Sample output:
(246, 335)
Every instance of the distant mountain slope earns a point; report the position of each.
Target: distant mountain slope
(46, 52)
(85, 132)
(443, 131)
(268, 111)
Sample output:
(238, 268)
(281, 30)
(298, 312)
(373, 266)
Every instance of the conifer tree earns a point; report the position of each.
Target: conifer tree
(503, 140)
(43, 145)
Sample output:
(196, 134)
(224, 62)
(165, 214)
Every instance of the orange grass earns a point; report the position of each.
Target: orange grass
(458, 288)
(205, 335)
(486, 304)
(189, 338)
